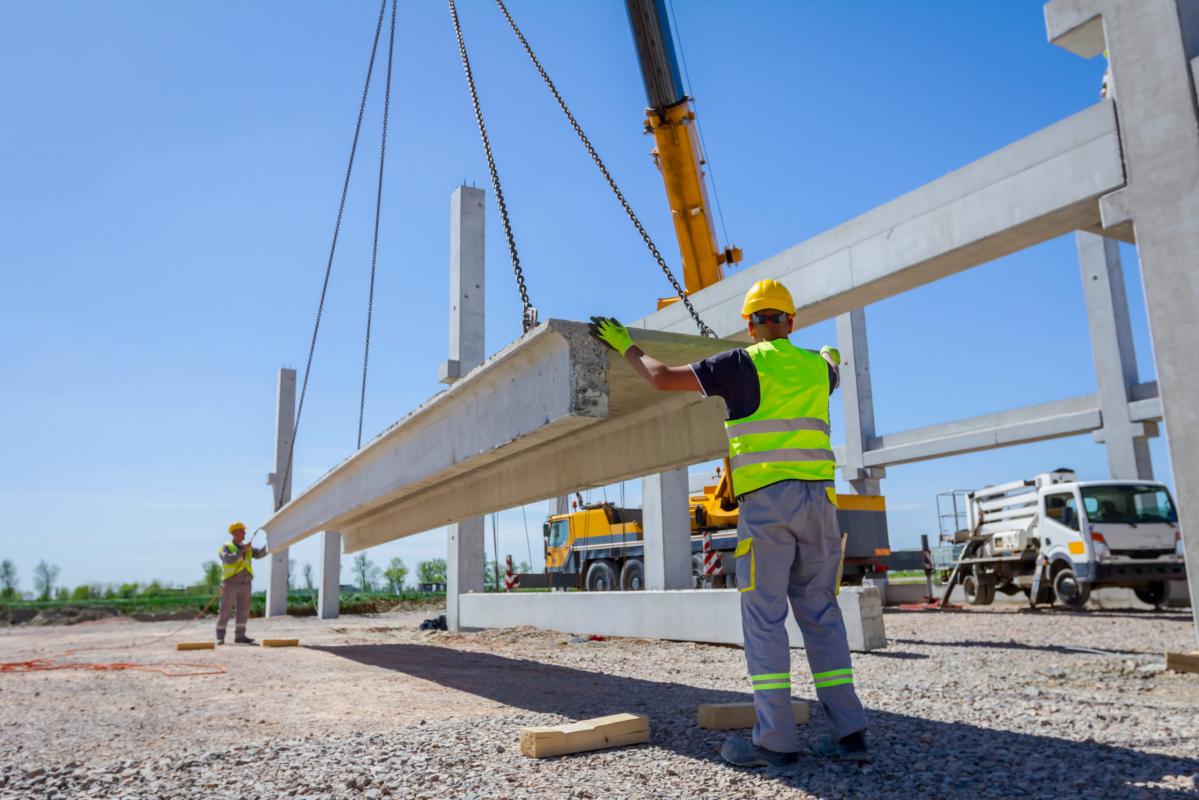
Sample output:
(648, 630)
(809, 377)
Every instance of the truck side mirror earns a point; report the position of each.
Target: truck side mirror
(1068, 518)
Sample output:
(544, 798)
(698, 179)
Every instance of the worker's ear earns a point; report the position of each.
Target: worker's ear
(790, 324)
(750, 327)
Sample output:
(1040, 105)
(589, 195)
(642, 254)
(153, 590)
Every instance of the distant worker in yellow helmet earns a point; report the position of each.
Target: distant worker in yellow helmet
(788, 546)
(237, 573)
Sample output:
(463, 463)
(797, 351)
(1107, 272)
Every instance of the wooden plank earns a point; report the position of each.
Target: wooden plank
(617, 730)
(280, 642)
(730, 716)
(195, 646)
(1183, 662)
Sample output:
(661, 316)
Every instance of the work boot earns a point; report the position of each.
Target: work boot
(741, 752)
(847, 748)
(244, 640)
(220, 639)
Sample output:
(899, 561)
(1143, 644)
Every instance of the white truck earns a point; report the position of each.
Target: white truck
(1057, 537)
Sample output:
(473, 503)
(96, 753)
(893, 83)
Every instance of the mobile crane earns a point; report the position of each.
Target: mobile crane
(600, 546)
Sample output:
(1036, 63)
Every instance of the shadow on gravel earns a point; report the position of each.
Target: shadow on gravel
(1059, 649)
(913, 757)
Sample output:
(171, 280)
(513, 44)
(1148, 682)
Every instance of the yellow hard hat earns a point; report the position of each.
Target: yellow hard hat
(767, 293)
(237, 526)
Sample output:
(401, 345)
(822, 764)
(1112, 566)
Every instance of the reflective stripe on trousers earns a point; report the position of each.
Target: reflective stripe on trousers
(790, 550)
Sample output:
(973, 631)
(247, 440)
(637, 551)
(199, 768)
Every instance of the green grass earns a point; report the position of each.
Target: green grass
(301, 602)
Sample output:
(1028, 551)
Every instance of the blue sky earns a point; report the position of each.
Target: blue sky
(169, 184)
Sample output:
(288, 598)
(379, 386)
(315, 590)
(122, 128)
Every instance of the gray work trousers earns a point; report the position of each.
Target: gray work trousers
(234, 592)
(793, 555)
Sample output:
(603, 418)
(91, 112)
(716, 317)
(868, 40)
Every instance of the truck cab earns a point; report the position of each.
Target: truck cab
(1109, 533)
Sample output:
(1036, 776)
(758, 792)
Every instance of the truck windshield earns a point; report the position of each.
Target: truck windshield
(559, 533)
(1128, 504)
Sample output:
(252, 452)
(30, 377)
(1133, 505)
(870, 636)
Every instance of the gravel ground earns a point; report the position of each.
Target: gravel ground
(982, 703)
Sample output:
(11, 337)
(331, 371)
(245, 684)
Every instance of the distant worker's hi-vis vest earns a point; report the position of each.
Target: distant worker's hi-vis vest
(229, 570)
(787, 438)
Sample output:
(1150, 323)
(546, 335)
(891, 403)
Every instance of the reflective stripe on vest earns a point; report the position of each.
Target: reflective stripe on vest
(229, 570)
(787, 437)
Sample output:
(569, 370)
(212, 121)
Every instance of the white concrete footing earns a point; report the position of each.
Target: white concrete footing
(693, 615)
(329, 605)
(667, 530)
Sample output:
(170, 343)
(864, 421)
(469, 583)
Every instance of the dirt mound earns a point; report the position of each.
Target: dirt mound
(72, 615)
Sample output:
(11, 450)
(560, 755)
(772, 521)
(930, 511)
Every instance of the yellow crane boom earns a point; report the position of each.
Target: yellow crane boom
(670, 118)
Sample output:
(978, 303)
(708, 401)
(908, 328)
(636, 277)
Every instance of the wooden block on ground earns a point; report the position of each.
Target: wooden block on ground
(1183, 662)
(616, 730)
(280, 642)
(195, 646)
(729, 716)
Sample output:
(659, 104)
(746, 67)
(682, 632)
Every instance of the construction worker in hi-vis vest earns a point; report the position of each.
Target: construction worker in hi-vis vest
(788, 546)
(237, 577)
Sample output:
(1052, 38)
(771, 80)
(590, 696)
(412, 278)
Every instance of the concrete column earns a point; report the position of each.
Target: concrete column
(666, 521)
(1153, 46)
(857, 400)
(467, 332)
(329, 605)
(464, 565)
(1115, 358)
(280, 483)
(465, 556)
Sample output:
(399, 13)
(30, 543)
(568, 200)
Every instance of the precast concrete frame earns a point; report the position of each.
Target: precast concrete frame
(1124, 169)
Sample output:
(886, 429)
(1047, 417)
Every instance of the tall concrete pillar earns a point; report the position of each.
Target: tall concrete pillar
(1115, 358)
(857, 400)
(329, 599)
(465, 556)
(280, 482)
(666, 522)
(1153, 45)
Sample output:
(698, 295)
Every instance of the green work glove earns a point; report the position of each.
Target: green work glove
(609, 331)
(832, 353)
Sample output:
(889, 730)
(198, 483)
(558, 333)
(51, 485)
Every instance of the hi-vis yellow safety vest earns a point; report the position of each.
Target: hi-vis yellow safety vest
(787, 438)
(229, 570)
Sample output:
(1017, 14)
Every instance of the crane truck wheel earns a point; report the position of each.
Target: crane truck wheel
(978, 591)
(1153, 594)
(632, 576)
(1072, 592)
(601, 577)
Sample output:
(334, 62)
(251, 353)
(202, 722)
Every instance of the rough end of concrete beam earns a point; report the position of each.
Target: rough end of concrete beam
(1076, 26)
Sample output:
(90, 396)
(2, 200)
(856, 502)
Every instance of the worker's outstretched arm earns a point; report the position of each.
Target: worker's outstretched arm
(660, 375)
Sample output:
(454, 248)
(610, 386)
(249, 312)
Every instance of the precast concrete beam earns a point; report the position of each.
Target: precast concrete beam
(1043, 186)
(551, 413)
(1054, 420)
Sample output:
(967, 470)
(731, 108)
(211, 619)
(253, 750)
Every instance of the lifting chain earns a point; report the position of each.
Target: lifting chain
(529, 314)
(649, 242)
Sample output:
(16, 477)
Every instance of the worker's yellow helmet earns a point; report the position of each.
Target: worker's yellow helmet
(237, 526)
(765, 294)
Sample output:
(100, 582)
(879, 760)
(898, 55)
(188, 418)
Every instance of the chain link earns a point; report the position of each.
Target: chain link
(529, 314)
(649, 242)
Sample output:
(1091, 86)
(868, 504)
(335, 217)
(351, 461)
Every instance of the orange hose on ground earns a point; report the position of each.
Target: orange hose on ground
(50, 664)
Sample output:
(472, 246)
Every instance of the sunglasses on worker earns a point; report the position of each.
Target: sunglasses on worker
(767, 319)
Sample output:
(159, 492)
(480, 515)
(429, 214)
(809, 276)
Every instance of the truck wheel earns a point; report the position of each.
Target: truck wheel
(632, 576)
(601, 577)
(697, 571)
(1072, 592)
(1153, 594)
(978, 592)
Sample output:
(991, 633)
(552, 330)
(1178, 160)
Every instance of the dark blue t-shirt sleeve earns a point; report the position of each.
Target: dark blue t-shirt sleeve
(730, 376)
